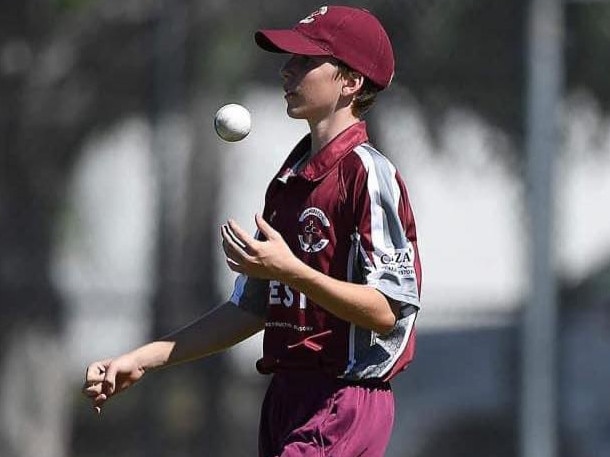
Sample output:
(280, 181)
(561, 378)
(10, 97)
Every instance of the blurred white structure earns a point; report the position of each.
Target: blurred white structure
(468, 203)
(469, 211)
(104, 261)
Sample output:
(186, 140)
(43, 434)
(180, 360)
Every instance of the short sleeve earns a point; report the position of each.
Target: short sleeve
(385, 242)
(250, 294)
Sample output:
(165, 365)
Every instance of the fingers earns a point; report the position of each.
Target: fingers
(100, 382)
(93, 387)
(236, 234)
(98, 402)
(248, 255)
(233, 250)
(234, 266)
(269, 232)
(100, 374)
(109, 382)
(243, 239)
(96, 372)
(241, 235)
(93, 391)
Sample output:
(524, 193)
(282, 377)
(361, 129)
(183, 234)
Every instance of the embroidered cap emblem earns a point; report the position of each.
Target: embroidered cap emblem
(313, 223)
(312, 17)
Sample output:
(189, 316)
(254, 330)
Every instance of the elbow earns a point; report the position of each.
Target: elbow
(385, 325)
(385, 321)
(383, 330)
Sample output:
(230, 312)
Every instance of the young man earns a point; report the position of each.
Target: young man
(333, 275)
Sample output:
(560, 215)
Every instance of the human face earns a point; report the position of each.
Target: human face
(312, 86)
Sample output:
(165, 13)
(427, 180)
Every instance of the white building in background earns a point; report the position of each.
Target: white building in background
(104, 260)
(468, 206)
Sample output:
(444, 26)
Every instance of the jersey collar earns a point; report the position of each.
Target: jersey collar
(328, 157)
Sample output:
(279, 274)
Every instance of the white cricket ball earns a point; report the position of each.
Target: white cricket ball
(232, 122)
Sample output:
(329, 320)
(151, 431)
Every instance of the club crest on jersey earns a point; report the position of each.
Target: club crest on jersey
(312, 17)
(313, 224)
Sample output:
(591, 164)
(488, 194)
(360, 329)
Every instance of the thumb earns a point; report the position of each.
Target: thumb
(269, 232)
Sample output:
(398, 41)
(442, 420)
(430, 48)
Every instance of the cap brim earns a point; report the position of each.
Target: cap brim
(287, 41)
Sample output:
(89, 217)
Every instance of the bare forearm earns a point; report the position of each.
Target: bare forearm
(213, 332)
(363, 305)
(219, 329)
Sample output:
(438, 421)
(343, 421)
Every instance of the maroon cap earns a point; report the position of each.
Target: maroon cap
(352, 35)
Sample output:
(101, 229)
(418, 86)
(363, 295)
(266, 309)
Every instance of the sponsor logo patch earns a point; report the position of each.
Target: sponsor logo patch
(399, 261)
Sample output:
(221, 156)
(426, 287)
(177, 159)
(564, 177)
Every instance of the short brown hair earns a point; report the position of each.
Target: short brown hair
(367, 95)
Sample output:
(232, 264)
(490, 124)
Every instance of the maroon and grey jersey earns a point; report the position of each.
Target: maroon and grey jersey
(346, 213)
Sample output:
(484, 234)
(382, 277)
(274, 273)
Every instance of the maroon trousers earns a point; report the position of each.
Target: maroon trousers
(307, 414)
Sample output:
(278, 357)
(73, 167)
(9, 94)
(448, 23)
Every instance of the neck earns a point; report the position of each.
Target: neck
(322, 132)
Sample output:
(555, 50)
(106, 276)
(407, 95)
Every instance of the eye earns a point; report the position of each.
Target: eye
(297, 60)
(303, 62)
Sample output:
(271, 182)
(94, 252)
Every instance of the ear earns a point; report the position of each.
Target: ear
(352, 83)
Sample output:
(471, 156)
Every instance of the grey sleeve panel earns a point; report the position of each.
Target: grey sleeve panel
(392, 269)
(388, 198)
(374, 357)
(250, 294)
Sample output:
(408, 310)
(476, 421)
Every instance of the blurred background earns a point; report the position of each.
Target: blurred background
(113, 185)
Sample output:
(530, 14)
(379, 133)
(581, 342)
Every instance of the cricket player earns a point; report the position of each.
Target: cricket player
(333, 274)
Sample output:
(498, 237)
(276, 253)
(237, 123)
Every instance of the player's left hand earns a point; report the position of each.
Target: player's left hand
(268, 259)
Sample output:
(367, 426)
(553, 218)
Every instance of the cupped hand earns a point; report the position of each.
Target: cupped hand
(270, 258)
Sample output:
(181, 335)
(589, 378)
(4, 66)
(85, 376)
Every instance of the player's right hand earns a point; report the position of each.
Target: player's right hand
(109, 377)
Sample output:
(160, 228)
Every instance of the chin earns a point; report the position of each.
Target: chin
(295, 114)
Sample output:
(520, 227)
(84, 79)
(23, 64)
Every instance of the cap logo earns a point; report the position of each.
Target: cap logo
(312, 17)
